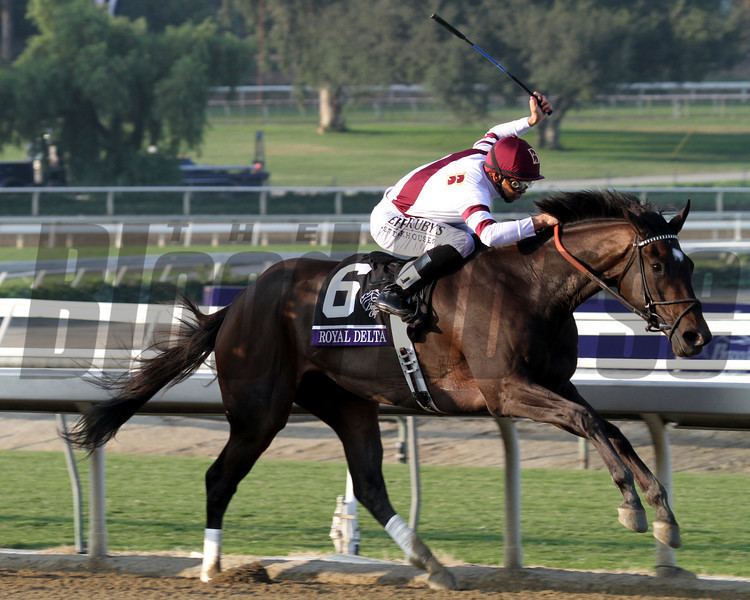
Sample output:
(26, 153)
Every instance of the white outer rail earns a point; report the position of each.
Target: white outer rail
(706, 399)
(642, 186)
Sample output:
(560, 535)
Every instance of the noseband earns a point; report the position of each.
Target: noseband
(654, 321)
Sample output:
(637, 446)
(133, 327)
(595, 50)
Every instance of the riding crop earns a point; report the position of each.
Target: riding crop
(484, 53)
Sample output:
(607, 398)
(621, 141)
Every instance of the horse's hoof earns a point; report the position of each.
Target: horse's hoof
(674, 572)
(442, 580)
(633, 519)
(208, 573)
(667, 533)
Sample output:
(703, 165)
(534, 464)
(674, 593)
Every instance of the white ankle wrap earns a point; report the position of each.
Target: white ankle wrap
(211, 545)
(401, 533)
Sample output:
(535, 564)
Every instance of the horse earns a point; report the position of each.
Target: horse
(502, 341)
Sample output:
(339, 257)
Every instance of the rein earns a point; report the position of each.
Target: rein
(654, 321)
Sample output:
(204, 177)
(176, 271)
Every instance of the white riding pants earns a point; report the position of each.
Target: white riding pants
(413, 236)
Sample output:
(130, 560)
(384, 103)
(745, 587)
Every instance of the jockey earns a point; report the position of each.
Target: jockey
(433, 212)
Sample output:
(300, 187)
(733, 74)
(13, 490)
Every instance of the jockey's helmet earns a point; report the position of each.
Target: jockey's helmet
(513, 157)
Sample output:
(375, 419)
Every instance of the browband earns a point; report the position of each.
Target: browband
(656, 238)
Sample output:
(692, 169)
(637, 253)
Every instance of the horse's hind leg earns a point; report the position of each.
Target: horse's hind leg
(666, 529)
(251, 432)
(355, 421)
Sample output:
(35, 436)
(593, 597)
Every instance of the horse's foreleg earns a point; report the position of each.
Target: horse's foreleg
(518, 397)
(666, 529)
(248, 439)
(356, 423)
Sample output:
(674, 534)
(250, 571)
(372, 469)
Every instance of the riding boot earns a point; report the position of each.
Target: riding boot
(398, 298)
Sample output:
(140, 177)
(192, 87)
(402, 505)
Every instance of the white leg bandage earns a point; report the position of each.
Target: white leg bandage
(211, 553)
(402, 534)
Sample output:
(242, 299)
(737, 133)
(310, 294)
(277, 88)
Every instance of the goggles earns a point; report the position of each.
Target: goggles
(519, 186)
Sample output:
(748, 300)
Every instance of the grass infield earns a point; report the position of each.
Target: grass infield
(597, 142)
(569, 518)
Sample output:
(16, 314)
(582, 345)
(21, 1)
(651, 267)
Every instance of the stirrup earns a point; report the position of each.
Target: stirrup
(395, 301)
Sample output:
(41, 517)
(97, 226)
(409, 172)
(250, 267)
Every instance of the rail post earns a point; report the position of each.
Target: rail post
(110, 203)
(75, 486)
(416, 485)
(666, 563)
(513, 558)
(186, 198)
(98, 515)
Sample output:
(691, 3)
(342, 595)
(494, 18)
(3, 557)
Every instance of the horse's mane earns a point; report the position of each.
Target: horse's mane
(591, 205)
(572, 207)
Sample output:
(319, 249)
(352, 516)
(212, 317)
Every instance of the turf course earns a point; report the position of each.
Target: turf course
(598, 142)
(569, 517)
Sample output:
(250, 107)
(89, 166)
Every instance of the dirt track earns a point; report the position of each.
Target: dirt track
(457, 441)
(161, 578)
(473, 442)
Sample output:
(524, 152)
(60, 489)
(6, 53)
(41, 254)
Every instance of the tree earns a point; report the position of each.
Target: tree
(459, 77)
(310, 36)
(332, 45)
(162, 14)
(15, 28)
(111, 91)
(6, 25)
(578, 49)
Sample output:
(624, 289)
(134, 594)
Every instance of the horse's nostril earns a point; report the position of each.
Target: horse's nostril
(693, 338)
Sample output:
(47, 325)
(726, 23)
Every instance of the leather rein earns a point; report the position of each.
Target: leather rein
(654, 321)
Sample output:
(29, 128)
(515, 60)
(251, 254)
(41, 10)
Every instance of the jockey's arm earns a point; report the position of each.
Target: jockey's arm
(503, 130)
(508, 232)
(490, 232)
(517, 127)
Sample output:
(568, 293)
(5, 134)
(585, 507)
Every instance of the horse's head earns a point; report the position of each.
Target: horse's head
(642, 256)
(658, 277)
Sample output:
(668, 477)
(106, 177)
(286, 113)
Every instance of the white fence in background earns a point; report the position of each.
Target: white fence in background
(88, 203)
(268, 98)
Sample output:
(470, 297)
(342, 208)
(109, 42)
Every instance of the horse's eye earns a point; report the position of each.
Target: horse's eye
(657, 267)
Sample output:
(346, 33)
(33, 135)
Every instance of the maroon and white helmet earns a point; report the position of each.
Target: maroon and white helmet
(514, 157)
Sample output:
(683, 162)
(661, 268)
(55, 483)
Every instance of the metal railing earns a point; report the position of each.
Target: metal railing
(398, 97)
(711, 399)
(88, 202)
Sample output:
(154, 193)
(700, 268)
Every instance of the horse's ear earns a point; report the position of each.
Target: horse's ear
(634, 220)
(679, 219)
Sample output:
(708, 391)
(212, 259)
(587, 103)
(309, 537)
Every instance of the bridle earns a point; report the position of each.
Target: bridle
(654, 321)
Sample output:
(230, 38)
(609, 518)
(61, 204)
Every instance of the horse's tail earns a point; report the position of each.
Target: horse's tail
(195, 341)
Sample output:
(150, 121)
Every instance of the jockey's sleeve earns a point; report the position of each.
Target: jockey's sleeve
(517, 127)
(495, 234)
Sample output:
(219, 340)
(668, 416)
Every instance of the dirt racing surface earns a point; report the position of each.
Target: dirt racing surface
(470, 441)
(161, 578)
(453, 442)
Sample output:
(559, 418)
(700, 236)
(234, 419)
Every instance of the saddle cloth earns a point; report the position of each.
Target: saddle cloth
(344, 313)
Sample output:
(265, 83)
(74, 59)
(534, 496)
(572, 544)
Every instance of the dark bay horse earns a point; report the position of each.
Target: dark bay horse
(503, 341)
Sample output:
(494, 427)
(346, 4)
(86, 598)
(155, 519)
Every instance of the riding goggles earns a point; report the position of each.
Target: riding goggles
(519, 186)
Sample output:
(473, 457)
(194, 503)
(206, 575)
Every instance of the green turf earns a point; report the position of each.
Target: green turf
(598, 142)
(569, 517)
